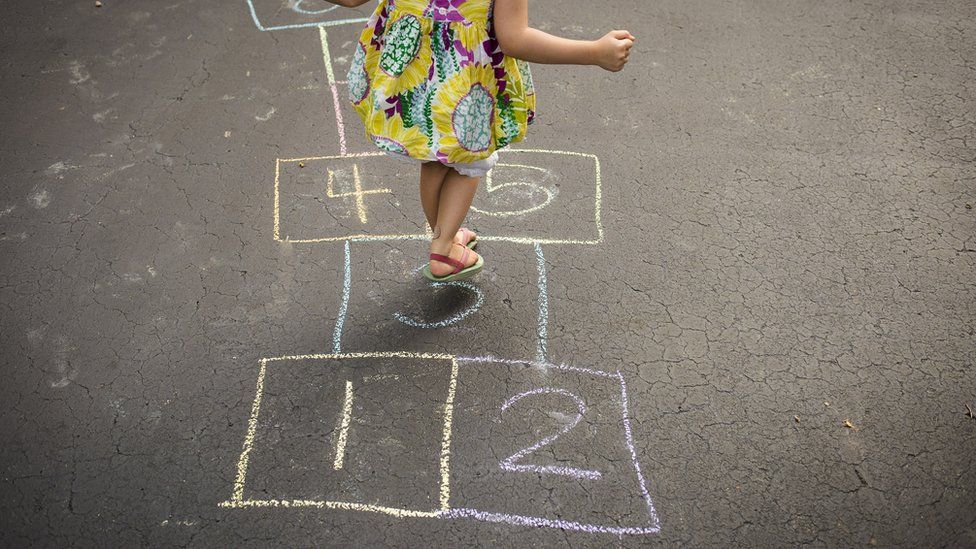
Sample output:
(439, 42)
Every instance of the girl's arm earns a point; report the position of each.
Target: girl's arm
(519, 40)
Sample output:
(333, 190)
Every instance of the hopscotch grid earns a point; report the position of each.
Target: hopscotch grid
(362, 237)
(446, 512)
(444, 491)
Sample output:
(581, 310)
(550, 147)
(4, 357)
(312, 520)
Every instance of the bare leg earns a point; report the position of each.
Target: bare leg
(456, 195)
(432, 176)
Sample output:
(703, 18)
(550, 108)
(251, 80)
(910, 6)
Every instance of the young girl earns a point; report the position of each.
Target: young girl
(445, 83)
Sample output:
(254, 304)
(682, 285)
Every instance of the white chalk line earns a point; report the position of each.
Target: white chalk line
(628, 435)
(491, 187)
(262, 28)
(344, 304)
(343, 428)
(479, 301)
(543, 328)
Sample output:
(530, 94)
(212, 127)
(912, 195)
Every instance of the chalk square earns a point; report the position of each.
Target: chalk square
(392, 307)
(532, 196)
(584, 476)
(393, 451)
(271, 15)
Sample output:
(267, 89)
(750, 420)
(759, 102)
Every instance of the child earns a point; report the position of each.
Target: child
(445, 82)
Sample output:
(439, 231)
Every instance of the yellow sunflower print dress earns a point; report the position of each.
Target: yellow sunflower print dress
(430, 82)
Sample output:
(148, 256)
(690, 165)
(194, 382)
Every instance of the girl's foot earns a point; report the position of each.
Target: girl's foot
(464, 262)
(466, 237)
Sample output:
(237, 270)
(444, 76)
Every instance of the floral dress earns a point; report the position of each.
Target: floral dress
(430, 82)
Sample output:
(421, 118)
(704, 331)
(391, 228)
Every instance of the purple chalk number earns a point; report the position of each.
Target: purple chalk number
(511, 462)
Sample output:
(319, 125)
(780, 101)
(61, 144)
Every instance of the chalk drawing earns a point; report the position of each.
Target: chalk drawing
(515, 462)
(628, 434)
(510, 463)
(445, 464)
(330, 74)
(237, 500)
(539, 522)
(261, 27)
(358, 192)
(297, 8)
(453, 319)
(543, 329)
(252, 426)
(343, 428)
(344, 305)
(445, 511)
(367, 237)
(491, 187)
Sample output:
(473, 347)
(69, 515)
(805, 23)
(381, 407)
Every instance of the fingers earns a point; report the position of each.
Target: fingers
(622, 34)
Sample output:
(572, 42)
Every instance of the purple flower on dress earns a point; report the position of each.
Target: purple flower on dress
(444, 10)
(467, 56)
(494, 50)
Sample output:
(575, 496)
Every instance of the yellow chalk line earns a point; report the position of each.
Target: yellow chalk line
(347, 506)
(446, 439)
(238, 501)
(344, 428)
(340, 356)
(598, 206)
(422, 236)
(252, 425)
(358, 193)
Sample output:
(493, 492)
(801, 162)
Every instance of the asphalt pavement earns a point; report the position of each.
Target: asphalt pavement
(729, 297)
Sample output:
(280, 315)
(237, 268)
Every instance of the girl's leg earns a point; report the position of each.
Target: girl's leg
(431, 179)
(456, 195)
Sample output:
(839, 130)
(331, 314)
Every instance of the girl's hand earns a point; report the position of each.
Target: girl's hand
(613, 50)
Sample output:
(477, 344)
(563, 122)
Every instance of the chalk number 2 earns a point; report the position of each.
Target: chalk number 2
(511, 463)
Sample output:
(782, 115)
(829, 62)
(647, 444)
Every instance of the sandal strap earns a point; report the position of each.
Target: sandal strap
(458, 266)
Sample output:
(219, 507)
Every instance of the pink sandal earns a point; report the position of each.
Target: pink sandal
(460, 270)
(469, 238)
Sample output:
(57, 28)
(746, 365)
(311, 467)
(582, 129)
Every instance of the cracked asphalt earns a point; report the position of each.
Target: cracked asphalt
(787, 284)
